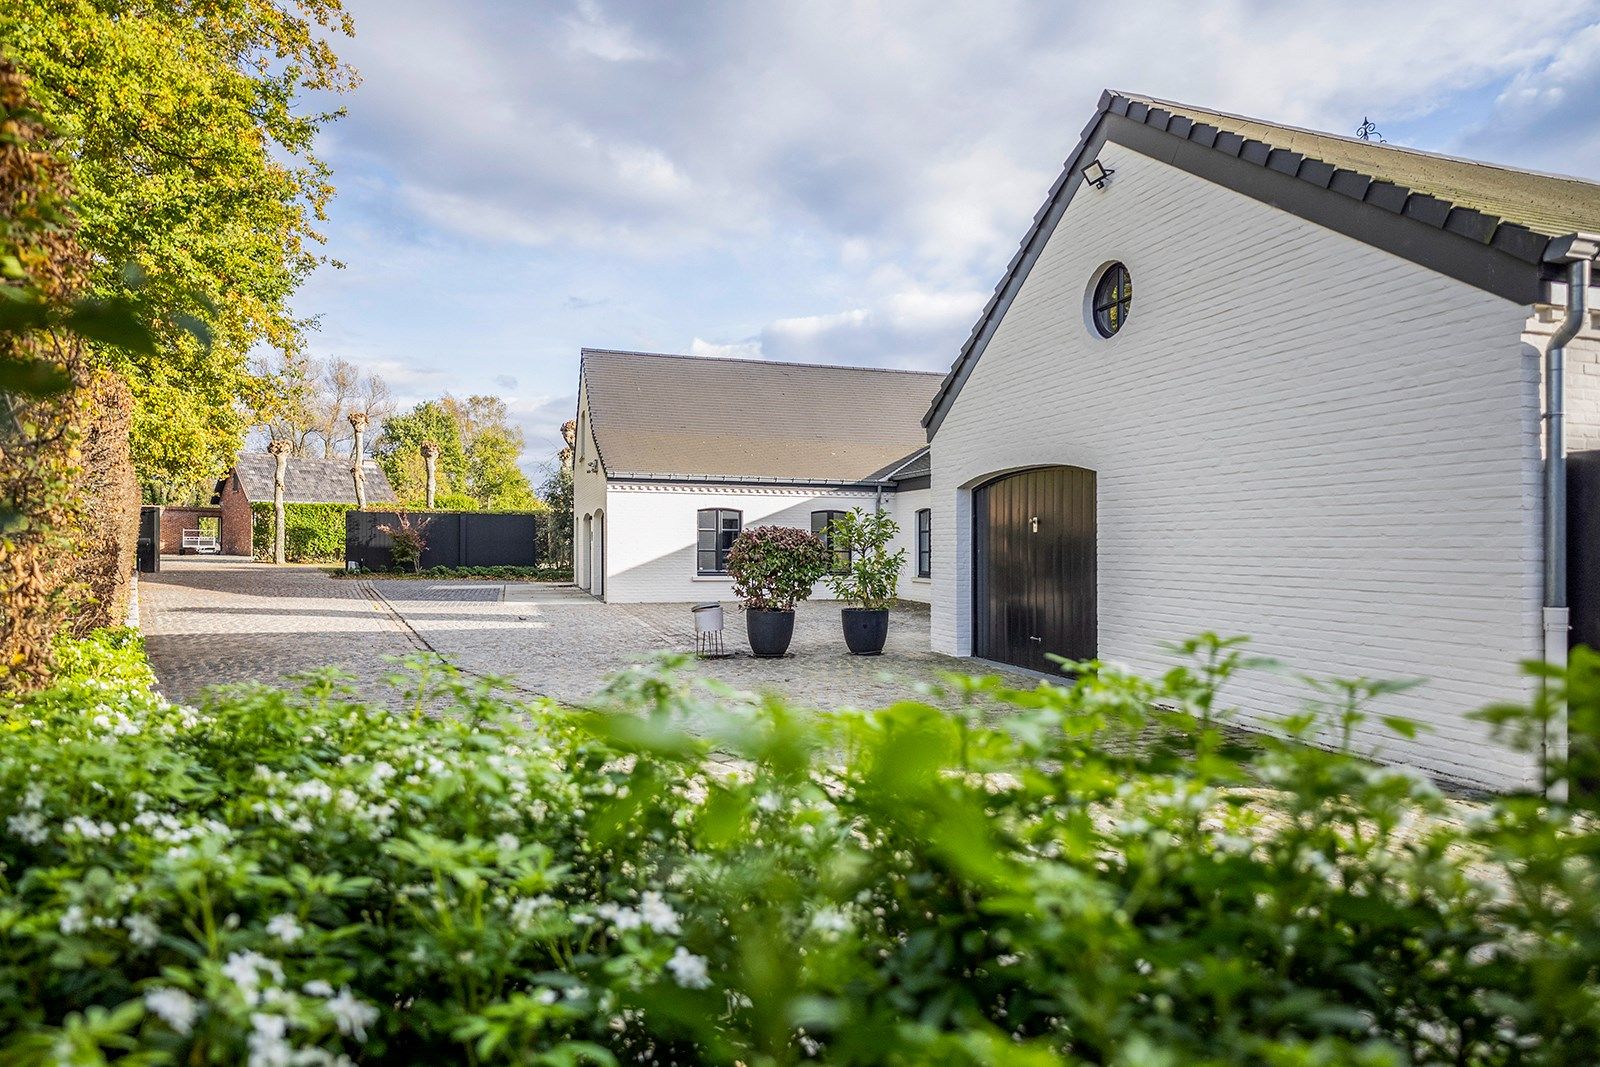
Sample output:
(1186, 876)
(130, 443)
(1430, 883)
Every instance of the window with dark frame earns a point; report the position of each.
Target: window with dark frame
(1113, 294)
(716, 531)
(925, 543)
(822, 526)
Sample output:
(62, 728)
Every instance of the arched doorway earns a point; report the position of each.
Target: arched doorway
(580, 558)
(597, 556)
(1033, 567)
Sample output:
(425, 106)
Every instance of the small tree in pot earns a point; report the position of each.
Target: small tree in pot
(871, 579)
(773, 567)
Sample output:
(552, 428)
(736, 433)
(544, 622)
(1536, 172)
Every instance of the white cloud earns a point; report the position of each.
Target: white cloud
(590, 32)
(1547, 113)
(749, 349)
(927, 132)
(855, 176)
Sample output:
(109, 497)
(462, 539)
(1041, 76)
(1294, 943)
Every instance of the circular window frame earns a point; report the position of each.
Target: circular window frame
(1095, 304)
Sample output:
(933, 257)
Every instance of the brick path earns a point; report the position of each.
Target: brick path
(210, 622)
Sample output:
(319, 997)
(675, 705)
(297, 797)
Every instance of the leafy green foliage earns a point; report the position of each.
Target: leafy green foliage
(872, 576)
(192, 163)
(398, 451)
(312, 533)
(479, 450)
(774, 566)
(556, 492)
(1086, 872)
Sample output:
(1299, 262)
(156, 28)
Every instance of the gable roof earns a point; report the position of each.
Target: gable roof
(663, 416)
(1488, 225)
(1550, 205)
(311, 481)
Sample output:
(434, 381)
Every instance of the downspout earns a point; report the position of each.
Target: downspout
(889, 479)
(1576, 253)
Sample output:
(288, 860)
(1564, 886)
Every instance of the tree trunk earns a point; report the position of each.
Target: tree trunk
(280, 453)
(358, 423)
(430, 456)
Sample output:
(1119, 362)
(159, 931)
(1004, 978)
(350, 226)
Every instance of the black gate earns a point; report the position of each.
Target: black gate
(1034, 567)
(149, 548)
(454, 539)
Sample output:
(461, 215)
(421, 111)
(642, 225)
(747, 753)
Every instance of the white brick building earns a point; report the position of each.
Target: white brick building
(675, 455)
(1315, 422)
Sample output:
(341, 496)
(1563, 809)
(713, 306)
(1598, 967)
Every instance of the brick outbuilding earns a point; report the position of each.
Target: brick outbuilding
(306, 481)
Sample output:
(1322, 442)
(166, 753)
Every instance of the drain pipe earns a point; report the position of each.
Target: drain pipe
(888, 479)
(1576, 253)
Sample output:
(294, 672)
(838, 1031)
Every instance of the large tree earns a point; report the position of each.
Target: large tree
(398, 450)
(314, 401)
(198, 193)
(494, 451)
(479, 453)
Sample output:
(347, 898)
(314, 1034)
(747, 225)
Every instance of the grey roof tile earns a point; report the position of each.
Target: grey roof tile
(1549, 204)
(657, 415)
(311, 481)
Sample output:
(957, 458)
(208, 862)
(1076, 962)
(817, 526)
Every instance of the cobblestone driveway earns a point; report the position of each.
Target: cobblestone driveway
(209, 622)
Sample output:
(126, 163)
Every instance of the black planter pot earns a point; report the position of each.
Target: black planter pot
(770, 631)
(865, 629)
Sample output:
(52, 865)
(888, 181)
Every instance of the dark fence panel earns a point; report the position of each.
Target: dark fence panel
(454, 539)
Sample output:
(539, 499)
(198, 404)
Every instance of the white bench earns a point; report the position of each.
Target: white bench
(195, 541)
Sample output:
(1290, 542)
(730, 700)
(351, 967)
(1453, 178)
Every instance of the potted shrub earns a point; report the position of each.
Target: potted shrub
(773, 567)
(871, 578)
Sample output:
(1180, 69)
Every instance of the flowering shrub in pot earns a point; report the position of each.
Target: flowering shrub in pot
(774, 567)
(871, 578)
(1088, 871)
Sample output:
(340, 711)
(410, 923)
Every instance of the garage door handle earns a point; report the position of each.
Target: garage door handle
(1035, 639)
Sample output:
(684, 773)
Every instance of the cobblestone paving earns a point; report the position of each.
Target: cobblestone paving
(210, 622)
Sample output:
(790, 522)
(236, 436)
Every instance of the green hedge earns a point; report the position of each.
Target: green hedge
(313, 533)
(1086, 872)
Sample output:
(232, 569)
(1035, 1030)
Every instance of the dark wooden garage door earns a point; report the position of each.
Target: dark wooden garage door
(1034, 567)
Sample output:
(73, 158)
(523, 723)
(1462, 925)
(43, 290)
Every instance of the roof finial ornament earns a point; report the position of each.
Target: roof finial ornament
(1368, 131)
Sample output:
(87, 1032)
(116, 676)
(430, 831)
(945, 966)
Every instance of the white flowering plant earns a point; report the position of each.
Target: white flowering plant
(1098, 871)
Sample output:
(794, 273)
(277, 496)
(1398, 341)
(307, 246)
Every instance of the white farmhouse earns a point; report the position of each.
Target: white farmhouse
(1264, 381)
(1239, 377)
(674, 455)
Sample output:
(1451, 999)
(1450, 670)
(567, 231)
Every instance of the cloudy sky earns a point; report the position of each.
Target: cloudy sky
(820, 181)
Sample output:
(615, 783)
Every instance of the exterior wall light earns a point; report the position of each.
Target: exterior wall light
(1097, 174)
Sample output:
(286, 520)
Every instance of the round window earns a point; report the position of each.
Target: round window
(1112, 295)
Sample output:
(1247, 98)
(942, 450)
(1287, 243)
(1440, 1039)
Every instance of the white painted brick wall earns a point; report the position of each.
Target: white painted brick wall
(1583, 371)
(588, 495)
(651, 552)
(1297, 437)
(904, 506)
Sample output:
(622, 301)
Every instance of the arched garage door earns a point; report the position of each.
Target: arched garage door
(1034, 567)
